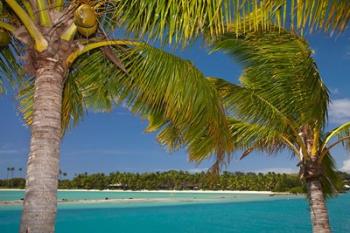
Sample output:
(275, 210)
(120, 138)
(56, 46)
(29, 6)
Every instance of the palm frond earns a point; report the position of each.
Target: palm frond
(161, 83)
(252, 136)
(156, 84)
(167, 135)
(310, 15)
(330, 178)
(279, 67)
(249, 106)
(172, 21)
(73, 106)
(342, 132)
(11, 69)
(26, 100)
(180, 21)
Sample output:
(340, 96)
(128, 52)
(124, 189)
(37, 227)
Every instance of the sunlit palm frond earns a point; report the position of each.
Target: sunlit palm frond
(310, 15)
(252, 136)
(156, 84)
(161, 83)
(167, 135)
(180, 21)
(174, 21)
(278, 66)
(248, 105)
(342, 132)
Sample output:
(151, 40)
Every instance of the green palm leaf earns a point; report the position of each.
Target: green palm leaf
(330, 178)
(342, 132)
(250, 136)
(156, 84)
(180, 21)
(249, 106)
(10, 68)
(279, 68)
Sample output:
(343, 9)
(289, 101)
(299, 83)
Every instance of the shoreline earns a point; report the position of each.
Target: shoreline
(136, 200)
(166, 191)
(159, 200)
(121, 201)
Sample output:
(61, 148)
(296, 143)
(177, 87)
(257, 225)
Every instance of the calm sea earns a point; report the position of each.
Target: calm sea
(185, 213)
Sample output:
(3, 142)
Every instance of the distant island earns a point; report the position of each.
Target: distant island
(182, 180)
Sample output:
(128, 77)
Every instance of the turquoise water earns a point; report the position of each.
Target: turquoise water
(268, 214)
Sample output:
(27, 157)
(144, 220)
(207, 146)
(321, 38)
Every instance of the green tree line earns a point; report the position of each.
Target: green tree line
(182, 180)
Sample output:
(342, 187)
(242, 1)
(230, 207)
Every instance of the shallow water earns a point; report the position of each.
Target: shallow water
(101, 195)
(267, 214)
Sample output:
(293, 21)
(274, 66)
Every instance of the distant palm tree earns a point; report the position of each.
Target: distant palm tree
(282, 104)
(59, 174)
(20, 171)
(8, 172)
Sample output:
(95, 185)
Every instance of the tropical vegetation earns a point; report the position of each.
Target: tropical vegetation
(183, 180)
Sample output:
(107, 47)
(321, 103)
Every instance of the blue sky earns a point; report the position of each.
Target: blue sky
(105, 142)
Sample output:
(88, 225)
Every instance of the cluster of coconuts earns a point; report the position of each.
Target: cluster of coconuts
(86, 20)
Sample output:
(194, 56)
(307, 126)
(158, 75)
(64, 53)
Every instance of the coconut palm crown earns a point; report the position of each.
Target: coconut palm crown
(281, 103)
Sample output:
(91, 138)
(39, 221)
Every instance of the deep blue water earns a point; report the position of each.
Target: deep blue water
(280, 215)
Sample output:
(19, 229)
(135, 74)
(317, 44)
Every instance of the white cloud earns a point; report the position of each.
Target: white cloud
(346, 166)
(339, 111)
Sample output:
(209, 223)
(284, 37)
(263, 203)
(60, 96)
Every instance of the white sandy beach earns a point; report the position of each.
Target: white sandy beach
(163, 191)
(143, 200)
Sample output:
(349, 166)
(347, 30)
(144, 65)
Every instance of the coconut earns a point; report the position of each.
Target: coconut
(87, 31)
(4, 38)
(85, 16)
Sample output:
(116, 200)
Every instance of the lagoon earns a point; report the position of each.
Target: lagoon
(183, 213)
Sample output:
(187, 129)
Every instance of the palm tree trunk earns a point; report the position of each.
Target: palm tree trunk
(318, 210)
(40, 202)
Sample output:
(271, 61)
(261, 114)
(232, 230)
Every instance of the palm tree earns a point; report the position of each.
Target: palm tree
(7, 172)
(281, 103)
(71, 64)
(12, 169)
(20, 171)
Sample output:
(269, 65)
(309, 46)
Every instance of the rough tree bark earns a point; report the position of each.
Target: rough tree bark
(40, 202)
(318, 210)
